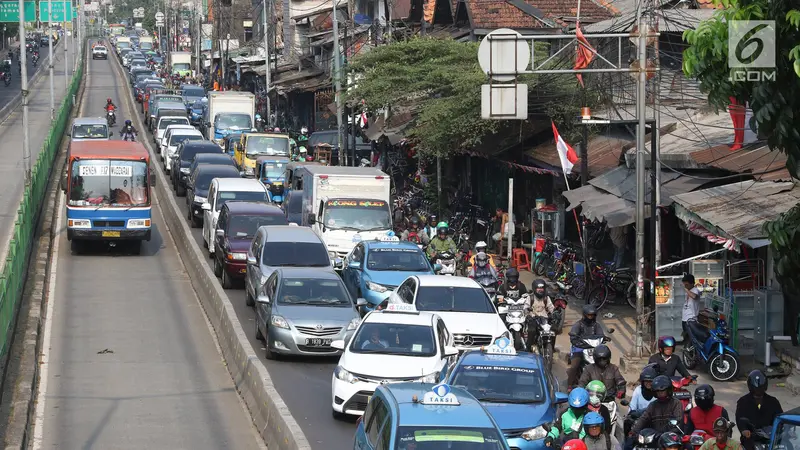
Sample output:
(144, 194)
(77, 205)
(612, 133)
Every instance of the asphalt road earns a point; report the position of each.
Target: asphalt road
(132, 361)
(12, 175)
(8, 92)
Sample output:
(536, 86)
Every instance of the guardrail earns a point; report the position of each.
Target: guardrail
(14, 268)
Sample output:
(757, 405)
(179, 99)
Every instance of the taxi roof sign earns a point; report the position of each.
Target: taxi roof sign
(401, 307)
(502, 346)
(389, 239)
(440, 395)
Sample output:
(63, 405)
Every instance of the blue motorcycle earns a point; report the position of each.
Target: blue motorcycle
(711, 347)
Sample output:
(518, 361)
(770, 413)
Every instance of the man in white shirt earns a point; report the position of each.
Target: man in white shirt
(692, 306)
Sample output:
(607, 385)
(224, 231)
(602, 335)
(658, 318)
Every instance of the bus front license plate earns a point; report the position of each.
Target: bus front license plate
(111, 234)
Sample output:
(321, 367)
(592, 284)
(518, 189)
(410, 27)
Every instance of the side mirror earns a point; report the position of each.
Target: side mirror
(220, 232)
(206, 206)
(338, 344)
(312, 219)
(561, 398)
(251, 260)
(361, 302)
(354, 265)
(263, 299)
(437, 267)
(611, 330)
(450, 351)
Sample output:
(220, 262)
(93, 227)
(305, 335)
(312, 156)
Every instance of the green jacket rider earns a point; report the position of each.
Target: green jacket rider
(570, 424)
(441, 242)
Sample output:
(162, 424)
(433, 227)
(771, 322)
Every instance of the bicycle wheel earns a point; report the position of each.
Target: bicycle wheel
(598, 296)
(578, 287)
(547, 356)
(630, 294)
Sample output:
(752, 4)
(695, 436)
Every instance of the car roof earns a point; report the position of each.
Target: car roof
(237, 207)
(290, 233)
(89, 121)
(438, 280)
(171, 104)
(178, 126)
(381, 244)
(212, 157)
(185, 132)
(521, 359)
(215, 168)
(175, 117)
(240, 184)
(327, 273)
(417, 318)
(203, 144)
(469, 414)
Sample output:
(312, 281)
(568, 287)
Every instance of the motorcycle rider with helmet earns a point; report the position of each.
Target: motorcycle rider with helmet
(110, 106)
(483, 270)
(597, 433)
(659, 413)
(597, 392)
(430, 226)
(569, 424)
(604, 370)
(128, 130)
(670, 441)
(541, 309)
(421, 238)
(512, 289)
(642, 396)
(722, 437)
(586, 326)
(441, 242)
(482, 247)
(666, 361)
(756, 409)
(705, 412)
(573, 444)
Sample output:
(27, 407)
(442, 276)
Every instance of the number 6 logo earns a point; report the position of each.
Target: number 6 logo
(751, 44)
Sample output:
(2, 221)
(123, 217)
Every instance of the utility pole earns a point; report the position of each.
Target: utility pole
(66, 54)
(50, 62)
(268, 59)
(26, 140)
(337, 79)
(640, 177)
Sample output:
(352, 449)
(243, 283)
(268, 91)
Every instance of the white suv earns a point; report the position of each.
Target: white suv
(99, 52)
(461, 302)
(395, 345)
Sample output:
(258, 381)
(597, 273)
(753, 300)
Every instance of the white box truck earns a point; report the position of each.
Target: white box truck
(228, 112)
(145, 43)
(180, 63)
(345, 205)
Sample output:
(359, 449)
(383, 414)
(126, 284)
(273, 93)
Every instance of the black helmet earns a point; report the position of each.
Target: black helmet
(602, 354)
(539, 285)
(512, 275)
(649, 373)
(704, 396)
(407, 209)
(589, 310)
(664, 342)
(662, 383)
(669, 439)
(757, 381)
(415, 222)
(128, 122)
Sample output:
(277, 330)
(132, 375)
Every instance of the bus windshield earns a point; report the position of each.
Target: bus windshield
(180, 67)
(103, 182)
(267, 145)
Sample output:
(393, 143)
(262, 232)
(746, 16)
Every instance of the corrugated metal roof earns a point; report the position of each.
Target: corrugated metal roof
(670, 20)
(741, 209)
(604, 154)
(763, 163)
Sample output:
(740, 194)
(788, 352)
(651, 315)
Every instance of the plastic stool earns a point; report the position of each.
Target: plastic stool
(520, 259)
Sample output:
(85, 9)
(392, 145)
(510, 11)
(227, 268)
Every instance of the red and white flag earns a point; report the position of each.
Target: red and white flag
(566, 153)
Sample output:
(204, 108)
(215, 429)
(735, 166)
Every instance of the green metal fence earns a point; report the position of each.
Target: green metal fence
(14, 269)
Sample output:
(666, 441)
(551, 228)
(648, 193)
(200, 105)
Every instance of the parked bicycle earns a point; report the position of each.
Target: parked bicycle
(612, 283)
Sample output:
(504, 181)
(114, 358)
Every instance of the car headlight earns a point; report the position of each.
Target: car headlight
(376, 287)
(278, 321)
(332, 255)
(237, 256)
(353, 324)
(199, 199)
(79, 223)
(251, 171)
(430, 378)
(138, 223)
(344, 375)
(535, 433)
(185, 170)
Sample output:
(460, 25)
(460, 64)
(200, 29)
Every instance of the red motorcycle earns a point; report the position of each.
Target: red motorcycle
(680, 392)
(6, 77)
(696, 439)
(559, 313)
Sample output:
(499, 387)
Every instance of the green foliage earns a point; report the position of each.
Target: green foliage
(784, 233)
(442, 80)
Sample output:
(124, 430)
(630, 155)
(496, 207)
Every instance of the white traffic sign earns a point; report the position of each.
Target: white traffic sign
(507, 53)
(111, 9)
(160, 16)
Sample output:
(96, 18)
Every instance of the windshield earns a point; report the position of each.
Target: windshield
(176, 139)
(447, 438)
(357, 215)
(501, 384)
(245, 227)
(158, 59)
(96, 131)
(394, 339)
(233, 121)
(146, 45)
(167, 121)
(298, 291)
(267, 145)
(189, 152)
(97, 182)
(405, 259)
(169, 99)
(453, 299)
(272, 170)
(244, 196)
(123, 45)
(787, 437)
(180, 66)
(194, 92)
(204, 178)
(297, 254)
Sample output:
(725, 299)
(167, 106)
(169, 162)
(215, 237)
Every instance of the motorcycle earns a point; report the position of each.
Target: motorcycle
(35, 60)
(414, 237)
(588, 344)
(647, 440)
(613, 412)
(447, 261)
(559, 312)
(489, 284)
(547, 341)
(6, 78)
(681, 393)
(126, 136)
(513, 312)
(711, 347)
(111, 117)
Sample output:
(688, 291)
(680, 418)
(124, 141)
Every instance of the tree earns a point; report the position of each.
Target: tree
(775, 104)
(442, 80)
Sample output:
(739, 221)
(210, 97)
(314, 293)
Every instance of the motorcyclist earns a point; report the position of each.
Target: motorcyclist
(597, 437)
(573, 444)
(128, 131)
(441, 242)
(705, 412)
(597, 393)
(756, 409)
(430, 226)
(408, 214)
(541, 309)
(482, 247)
(670, 441)
(512, 289)
(421, 238)
(586, 326)
(569, 424)
(667, 363)
(659, 413)
(604, 370)
(259, 123)
(110, 106)
(482, 270)
(722, 437)
(642, 396)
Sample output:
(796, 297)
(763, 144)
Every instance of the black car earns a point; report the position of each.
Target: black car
(219, 159)
(197, 188)
(184, 155)
(293, 207)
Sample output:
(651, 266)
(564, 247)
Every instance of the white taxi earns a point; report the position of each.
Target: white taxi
(461, 302)
(395, 345)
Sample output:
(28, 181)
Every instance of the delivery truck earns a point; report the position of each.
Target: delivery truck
(180, 63)
(228, 112)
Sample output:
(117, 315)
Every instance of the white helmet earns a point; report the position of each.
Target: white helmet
(480, 246)
(303, 130)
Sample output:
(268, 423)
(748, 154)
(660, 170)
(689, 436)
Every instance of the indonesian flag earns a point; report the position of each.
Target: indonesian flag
(566, 153)
(584, 54)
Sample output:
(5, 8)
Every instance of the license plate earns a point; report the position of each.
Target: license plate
(111, 234)
(318, 342)
(243, 270)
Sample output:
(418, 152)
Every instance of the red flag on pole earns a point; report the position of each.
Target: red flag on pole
(584, 54)
(566, 154)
